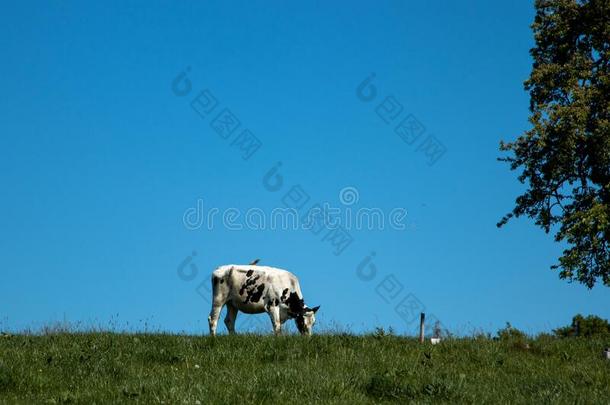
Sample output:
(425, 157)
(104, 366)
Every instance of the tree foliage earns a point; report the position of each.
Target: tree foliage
(565, 157)
(511, 333)
(588, 327)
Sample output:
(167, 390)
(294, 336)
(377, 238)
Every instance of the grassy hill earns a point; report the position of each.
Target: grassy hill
(157, 368)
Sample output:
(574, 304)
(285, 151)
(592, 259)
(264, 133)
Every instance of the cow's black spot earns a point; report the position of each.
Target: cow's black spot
(249, 282)
(296, 305)
(276, 302)
(249, 273)
(258, 294)
(215, 280)
(222, 280)
(254, 294)
(284, 293)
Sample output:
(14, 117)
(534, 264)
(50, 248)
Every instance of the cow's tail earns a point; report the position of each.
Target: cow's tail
(215, 281)
(218, 277)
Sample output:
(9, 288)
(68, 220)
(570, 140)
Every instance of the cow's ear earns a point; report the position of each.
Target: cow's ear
(315, 309)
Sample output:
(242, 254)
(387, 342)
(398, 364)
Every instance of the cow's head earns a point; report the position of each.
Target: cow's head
(304, 316)
(305, 320)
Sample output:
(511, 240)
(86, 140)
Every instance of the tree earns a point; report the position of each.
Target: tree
(565, 157)
(588, 327)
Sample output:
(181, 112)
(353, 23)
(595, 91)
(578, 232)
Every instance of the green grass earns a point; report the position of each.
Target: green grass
(158, 368)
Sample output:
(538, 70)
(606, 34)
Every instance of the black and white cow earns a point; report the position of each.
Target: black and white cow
(256, 289)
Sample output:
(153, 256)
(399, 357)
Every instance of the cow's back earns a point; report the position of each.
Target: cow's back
(249, 287)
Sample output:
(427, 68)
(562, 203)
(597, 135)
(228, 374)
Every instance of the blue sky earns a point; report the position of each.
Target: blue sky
(99, 160)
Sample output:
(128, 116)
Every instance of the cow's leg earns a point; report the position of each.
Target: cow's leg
(220, 294)
(214, 315)
(230, 318)
(274, 314)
